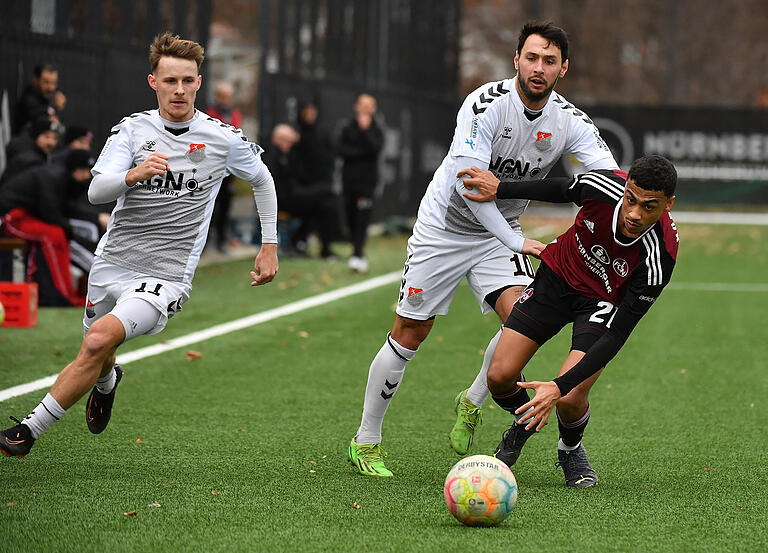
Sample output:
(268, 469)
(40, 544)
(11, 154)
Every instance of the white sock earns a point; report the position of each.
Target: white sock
(106, 383)
(479, 391)
(44, 415)
(384, 378)
(561, 445)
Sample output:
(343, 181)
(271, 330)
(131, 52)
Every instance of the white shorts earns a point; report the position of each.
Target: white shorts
(437, 262)
(110, 285)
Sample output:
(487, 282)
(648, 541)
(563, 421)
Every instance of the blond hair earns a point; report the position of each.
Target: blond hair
(171, 45)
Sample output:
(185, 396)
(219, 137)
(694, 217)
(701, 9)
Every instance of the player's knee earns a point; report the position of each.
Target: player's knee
(410, 333)
(100, 341)
(498, 379)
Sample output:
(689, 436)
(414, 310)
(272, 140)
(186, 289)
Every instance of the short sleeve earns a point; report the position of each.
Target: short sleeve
(588, 147)
(244, 159)
(474, 132)
(116, 155)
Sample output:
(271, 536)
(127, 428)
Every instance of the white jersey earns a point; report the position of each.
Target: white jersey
(159, 226)
(491, 126)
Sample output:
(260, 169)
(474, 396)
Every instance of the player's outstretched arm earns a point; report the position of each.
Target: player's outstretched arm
(265, 265)
(537, 410)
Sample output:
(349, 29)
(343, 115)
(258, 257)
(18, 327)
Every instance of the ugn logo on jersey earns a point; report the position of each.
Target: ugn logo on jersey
(512, 168)
(172, 181)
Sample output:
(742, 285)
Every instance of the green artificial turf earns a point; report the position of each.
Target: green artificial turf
(217, 453)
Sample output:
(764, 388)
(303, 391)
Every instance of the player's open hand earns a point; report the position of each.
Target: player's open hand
(265, 265)
(155, 164)
(547, 394)
(533, 247)
(483, 183)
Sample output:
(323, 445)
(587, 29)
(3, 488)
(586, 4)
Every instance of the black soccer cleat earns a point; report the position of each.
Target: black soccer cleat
(512, 443)
(17, 440)
(98, 410)
(578, 472)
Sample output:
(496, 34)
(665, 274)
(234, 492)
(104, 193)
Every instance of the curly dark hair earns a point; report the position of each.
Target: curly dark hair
(654, 172)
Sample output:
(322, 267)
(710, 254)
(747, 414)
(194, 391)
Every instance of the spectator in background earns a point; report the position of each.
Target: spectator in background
(33, 206)
(75, 138)
(223, 109)
(313, 207)
(40, 99)
(32, 148)
(315, 159)
(360, 144)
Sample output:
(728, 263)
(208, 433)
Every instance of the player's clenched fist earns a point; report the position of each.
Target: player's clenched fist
(155, 164)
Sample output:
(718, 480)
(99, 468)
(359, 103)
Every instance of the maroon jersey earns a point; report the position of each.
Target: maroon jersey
(597, 261)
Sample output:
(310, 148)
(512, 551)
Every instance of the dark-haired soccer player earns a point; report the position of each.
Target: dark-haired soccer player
(602, 274)
(518, 128)
(164, 167)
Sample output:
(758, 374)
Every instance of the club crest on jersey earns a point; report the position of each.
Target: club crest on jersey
(196, 153)
(599, 252)
(527, 293)
(415, 296)
(621, 267)
(543, 140)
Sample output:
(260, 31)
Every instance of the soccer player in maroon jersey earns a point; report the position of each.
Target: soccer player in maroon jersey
(602, 274)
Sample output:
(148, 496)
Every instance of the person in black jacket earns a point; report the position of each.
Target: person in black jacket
(33, 206)
(360, 143)
(31, 148)
(42, 98)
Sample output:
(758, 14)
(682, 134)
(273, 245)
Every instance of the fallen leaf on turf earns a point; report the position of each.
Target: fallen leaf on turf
(130, 514)
(191, 355)
(312, 463)
(214, 492)
(242, 430)
(138, 440)
(710, 469)
(11, 504)
(324, 456)
(303, 334)
(34, 491)
(356, 505)
(258, 453)
(153, 505)
(312, 471)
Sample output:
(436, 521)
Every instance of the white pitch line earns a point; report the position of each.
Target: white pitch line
(219, 330)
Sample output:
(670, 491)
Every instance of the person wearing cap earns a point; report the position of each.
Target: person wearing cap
(31, 149)
(33, 206)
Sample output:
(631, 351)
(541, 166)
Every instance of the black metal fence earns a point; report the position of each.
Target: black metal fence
(404, 52)
(99, 48)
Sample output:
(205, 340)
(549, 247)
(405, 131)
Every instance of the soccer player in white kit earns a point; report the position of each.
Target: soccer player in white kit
(164, 167)
(518, 128)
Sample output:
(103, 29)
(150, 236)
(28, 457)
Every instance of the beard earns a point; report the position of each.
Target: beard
(530, 94)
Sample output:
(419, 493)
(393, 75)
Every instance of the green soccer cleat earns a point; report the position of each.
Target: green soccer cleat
(468, 416)
(368, 459)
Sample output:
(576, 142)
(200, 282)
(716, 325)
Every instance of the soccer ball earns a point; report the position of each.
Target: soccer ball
(480, 491)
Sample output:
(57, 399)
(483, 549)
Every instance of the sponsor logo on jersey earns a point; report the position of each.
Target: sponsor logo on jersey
(621, 267)
(543, 140)
(170, 184)
(471, 143)
(649, 299)
(415, 296)
(527, 293)
(196, 153)
(507, 132)
(590, 225)
(599, 252)
(509, 169)
(149, 145)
